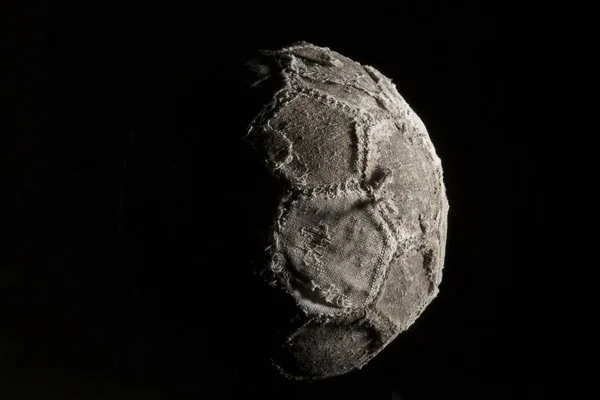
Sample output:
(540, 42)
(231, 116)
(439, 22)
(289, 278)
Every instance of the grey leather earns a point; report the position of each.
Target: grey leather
(360, 233)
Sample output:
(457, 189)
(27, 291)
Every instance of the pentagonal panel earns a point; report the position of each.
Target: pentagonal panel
(335, 250)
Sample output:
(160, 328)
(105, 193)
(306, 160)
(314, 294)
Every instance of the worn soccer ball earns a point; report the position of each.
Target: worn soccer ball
(359, 238)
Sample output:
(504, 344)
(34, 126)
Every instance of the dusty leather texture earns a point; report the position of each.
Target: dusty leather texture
(360, 233)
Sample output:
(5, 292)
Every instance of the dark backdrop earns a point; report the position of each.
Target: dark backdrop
(132, 203)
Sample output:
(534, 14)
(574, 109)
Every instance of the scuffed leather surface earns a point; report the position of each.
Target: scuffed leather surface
(360, 233)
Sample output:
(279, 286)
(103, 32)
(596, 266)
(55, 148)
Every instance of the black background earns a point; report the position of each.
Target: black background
(131, 203)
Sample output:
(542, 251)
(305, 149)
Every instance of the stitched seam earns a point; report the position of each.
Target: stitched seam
(382, 266)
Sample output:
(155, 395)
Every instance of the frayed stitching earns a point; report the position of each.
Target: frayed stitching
(383, 263)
